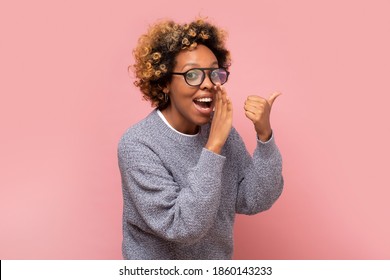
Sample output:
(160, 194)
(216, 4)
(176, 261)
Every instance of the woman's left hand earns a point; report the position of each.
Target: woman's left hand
(258, 110)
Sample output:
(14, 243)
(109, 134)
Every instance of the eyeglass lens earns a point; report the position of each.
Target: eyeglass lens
(195, 77)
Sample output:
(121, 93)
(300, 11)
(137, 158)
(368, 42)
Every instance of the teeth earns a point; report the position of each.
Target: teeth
(207, 99)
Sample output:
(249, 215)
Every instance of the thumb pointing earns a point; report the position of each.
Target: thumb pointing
(272, 98)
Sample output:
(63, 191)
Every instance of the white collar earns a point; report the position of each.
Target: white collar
(165, 120)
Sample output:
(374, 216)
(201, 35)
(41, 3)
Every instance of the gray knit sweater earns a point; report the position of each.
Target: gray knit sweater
(180, 199)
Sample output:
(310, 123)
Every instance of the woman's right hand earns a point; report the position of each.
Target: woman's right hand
(221, 123)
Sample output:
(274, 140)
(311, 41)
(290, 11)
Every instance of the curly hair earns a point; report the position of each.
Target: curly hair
(157, 49)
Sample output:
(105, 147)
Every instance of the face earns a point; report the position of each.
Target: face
(191, 106)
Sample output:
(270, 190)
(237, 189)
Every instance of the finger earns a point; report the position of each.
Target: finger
(223, 95)
(250, 115)
(224, 103)
(251, 109)
(256, 103)
(229, 103)
(254, 108)
(272, 98)
(229, 109)
(255, 98)
(218, 104)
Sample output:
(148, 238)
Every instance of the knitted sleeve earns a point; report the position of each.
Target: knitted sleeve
(177, 213)
(260, 177)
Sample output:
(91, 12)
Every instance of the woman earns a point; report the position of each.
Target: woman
(185, 170)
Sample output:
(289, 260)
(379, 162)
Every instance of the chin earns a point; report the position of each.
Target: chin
(202, 120)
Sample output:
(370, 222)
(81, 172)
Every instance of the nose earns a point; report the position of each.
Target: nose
(206, 84)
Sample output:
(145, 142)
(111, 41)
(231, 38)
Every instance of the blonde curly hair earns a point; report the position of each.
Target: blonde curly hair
(157, 49)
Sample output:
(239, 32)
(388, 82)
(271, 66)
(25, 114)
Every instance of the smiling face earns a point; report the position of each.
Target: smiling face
(191, 106)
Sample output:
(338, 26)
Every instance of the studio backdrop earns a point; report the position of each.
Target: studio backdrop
(66, 98)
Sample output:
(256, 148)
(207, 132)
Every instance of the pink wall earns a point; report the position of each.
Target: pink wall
(66, 98)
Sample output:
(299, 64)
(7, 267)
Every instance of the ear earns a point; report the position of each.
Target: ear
(166, 90)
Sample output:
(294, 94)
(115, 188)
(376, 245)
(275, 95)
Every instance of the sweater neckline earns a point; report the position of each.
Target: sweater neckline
(165, 130)
(160, 114)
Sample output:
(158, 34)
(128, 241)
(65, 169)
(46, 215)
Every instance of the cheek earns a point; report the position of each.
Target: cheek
(183, 92)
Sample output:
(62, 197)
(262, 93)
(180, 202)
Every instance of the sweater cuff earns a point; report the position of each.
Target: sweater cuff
(211, 160)
(266, 149)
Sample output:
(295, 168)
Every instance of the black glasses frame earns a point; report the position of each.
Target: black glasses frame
(204, 75)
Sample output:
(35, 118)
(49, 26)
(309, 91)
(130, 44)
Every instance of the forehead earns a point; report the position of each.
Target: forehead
(201, 56)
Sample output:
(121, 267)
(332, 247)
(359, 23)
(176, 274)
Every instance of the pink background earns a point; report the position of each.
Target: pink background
(66, 98)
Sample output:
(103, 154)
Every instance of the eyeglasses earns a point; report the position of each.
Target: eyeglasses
(195, 76)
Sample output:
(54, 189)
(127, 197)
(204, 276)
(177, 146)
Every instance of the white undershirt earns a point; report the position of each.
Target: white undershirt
(165, 120)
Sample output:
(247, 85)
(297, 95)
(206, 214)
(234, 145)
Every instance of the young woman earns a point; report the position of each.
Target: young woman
(185, 170)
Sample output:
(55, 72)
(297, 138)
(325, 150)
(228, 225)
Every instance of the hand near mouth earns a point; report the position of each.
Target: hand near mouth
(222, 121)
(258, 110)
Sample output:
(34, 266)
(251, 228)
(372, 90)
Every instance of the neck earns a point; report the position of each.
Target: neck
(178, 124)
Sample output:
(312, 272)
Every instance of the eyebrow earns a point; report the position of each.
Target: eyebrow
(197, 65)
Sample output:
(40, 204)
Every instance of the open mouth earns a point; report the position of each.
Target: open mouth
(204, 103)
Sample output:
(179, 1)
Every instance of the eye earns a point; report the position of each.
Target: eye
(214, 74)
(218, 76)
(193, 75)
